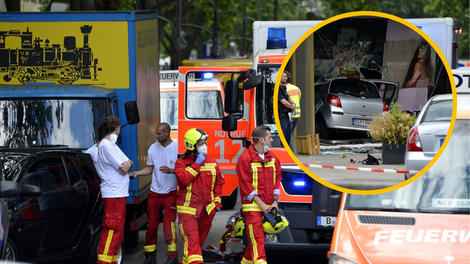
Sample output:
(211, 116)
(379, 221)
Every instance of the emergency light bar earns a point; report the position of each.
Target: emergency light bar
(276, 38)
(208, 76)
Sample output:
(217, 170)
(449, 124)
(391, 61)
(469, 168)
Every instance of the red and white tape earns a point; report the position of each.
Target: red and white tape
(360, 169)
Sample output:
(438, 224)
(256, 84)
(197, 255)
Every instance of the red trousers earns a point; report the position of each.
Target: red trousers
(194, 232)
(156, 203)
(254, 253)
(113, 229)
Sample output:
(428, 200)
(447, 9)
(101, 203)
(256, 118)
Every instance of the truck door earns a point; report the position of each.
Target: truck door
(201, 105)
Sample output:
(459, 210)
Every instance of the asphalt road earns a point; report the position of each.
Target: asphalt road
(341, 155)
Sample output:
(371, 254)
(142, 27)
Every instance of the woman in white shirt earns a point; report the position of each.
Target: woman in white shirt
(113, 167)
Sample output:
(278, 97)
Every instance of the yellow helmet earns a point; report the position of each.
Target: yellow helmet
(274, 224)
(239, 227)
(192, 136)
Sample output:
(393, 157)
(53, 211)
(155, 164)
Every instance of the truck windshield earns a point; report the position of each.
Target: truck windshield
(265, 97)
(40, 122)
(444, 188)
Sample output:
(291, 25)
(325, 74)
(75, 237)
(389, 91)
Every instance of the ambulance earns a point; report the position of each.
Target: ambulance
(426, 221)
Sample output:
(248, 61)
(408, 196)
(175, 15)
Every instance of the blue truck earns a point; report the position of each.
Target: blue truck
(63, 73)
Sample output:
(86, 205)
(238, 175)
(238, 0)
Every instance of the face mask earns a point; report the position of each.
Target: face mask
(113, 138)
(202, 149)
(266, 148)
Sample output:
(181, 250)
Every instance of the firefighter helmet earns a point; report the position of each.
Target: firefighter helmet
(192, 136)
(239, 227)
(273, 224)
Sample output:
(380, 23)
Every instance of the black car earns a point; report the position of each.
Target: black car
(63, 222)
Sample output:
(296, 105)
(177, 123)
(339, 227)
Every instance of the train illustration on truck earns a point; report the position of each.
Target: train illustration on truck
(38, 61)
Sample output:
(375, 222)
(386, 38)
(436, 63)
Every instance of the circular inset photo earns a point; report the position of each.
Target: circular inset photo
(366, 101)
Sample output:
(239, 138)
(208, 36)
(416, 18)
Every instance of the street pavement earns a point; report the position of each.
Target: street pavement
(341, 155)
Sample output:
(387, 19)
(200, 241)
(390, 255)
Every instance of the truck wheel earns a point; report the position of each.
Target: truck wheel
(228, 202)
(11, 251)
(131, 238)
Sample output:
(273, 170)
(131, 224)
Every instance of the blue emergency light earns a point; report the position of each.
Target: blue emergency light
(276, 38)
(299, 183)
(208, 76)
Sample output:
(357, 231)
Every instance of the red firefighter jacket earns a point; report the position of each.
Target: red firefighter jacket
(259, 176)
(200, 186)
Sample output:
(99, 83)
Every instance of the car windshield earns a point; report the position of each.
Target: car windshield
(444, 188)
(354, 88)
(26, 122)
(438, 111)
(12, 164)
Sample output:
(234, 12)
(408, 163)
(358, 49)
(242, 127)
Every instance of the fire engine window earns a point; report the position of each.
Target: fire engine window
(204, 96)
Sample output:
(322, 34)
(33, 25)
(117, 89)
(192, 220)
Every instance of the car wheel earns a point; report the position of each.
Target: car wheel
(11, 251)
(93, 255)
(321, 129)
(228, 202)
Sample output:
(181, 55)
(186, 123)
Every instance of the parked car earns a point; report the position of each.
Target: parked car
(429, 131)
(65, 221)
(7, 189)
(349, 104)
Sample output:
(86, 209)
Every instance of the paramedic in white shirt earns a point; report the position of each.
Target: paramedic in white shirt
(162, 156)
(93, 151)
(113, 167)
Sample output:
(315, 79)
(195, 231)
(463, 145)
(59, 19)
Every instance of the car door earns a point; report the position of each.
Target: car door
(48, 223)
(388, 90)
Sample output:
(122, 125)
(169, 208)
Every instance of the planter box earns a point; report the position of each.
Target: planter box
(393, 153)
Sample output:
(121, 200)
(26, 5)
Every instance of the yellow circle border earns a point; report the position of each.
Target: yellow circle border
(370, 14)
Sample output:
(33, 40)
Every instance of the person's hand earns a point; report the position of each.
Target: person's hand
(200, 158)
(126, 166)
(265, 208)
(274, 205)
(133, 175)
(292, 106)
(218, 206)
(165, 169)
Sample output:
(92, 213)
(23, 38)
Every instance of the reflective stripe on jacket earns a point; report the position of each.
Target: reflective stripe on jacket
(200, 186)
(258, 175)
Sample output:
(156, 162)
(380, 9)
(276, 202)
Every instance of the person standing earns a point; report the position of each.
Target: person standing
(113, 167)
(259, 174)
(93, 150)
(286, 105)
(162, 195)
(199, 196)
(295, 94)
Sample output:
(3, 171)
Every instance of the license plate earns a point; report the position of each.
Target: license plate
(326, 220)
(442, 141)
(361, 122)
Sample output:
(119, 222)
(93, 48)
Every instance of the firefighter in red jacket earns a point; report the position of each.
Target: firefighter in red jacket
(259, 174)
(199, 195)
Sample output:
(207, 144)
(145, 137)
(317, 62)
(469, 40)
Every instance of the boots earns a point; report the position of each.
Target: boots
(171, 261)
(150, 258)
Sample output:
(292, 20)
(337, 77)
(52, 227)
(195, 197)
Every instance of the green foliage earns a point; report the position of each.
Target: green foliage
(391, 127)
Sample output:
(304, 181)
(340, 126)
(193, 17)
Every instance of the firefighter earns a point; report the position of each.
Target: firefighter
(113, 167)
(162, 156)
(259, 175)
(199, 195)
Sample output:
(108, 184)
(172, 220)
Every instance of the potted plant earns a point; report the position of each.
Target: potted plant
(392, 129)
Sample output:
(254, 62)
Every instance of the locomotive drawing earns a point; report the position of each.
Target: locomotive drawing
(37, 61)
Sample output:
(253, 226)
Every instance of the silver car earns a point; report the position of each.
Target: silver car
(428, 133)
(349, 104)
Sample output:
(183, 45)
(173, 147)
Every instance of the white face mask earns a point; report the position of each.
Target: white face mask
(202, 149)
(113, 138)
(266, 148)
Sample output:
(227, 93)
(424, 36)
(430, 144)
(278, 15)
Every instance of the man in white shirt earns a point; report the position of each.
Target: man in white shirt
(113, 167)
(162, 195)
(93, 151)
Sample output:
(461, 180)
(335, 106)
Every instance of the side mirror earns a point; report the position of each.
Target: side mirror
(253, 82)
(132, 113)
(30, 190)
(325, 201)
(229, 123)
(9, 189)
(231, 97)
